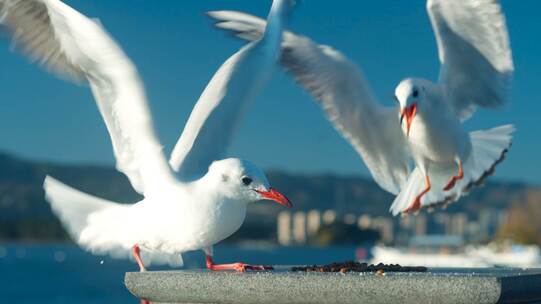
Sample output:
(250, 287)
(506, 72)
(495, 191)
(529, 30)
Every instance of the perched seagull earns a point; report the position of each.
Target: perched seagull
(191, 202)
(425, 130)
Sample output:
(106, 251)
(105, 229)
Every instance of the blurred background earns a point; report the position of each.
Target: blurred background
(48, 126)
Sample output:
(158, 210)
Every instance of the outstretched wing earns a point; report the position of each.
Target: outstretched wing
(474, 51)
(73, 46)
(98, 225)
(220, 108)
(345, 96)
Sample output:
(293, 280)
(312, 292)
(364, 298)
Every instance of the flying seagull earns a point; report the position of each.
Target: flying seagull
(417, 150)
(191, 202)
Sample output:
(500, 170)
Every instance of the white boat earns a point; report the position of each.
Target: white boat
(390, 255)
(449, 251)
(512, 256)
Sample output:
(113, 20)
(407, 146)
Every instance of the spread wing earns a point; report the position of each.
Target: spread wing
(220, 108)
(218, 113)
(75, 47)
(343, 93)
(474, 51)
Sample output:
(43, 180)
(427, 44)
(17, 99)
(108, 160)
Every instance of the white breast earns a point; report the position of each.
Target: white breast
(178, 227)
(437, 134)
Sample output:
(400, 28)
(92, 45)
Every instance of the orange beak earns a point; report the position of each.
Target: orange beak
(409, 113)
(276, 196)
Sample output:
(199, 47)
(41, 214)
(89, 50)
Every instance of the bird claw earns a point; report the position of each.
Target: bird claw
(414, 212)
(414, 207)
(241, 267)
(450, 185)
(455, 178)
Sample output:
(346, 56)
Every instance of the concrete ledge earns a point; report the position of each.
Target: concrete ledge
(492, 285)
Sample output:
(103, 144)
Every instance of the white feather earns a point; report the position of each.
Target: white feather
(343, 93)
(488, 149)
(220, 108)
(219, 111)
(98, 225)
(476, 69)
(173, 217)
(474, 51)
(70, 44)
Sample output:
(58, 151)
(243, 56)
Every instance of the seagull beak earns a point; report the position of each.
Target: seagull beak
(276, 196)
(409, 113)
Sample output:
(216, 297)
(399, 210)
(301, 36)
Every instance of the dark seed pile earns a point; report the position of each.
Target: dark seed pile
(351, 266)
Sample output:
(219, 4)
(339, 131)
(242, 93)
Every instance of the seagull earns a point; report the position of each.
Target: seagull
(418, 149)
(192, 201)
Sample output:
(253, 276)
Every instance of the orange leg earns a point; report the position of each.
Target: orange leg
(455, 178)
(137, 254)
(416, 205)
(239, 267)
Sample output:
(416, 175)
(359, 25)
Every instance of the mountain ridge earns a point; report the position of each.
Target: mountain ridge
(24, 213)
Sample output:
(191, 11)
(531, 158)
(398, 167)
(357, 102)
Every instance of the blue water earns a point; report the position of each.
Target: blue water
(61, 273)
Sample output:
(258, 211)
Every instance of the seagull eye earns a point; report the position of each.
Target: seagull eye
(246, 180)
(415, 93)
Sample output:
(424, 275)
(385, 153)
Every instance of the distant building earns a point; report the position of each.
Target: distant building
(459, 224)
(313, 222)
(329, 216)
(350, 219)
(284, 228)
(419, 225)
(364, 221)
(489, 222)
(385, 227)
(299, 227)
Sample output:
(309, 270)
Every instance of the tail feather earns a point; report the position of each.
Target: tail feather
(73, 207)
(489, 148)
(98, 225)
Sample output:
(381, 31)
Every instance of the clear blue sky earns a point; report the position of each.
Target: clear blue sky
(177, 51)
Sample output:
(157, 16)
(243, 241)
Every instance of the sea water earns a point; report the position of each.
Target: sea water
(63, 273)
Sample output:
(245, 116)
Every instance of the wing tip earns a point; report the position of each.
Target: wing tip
(50, 182)
(226, 15)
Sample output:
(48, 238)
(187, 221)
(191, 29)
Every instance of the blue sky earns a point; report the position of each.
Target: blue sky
(177, 51)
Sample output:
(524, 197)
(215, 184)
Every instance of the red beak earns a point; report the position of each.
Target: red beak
(409, 113)
(276, 196)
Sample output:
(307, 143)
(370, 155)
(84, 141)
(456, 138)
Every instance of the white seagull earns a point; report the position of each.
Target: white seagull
(418, 150)
(191, 202)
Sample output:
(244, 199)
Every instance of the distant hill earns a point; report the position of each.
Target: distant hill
(24, 214)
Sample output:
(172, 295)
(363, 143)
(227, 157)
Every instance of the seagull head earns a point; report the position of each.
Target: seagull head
(409, 94)
(243, 181)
